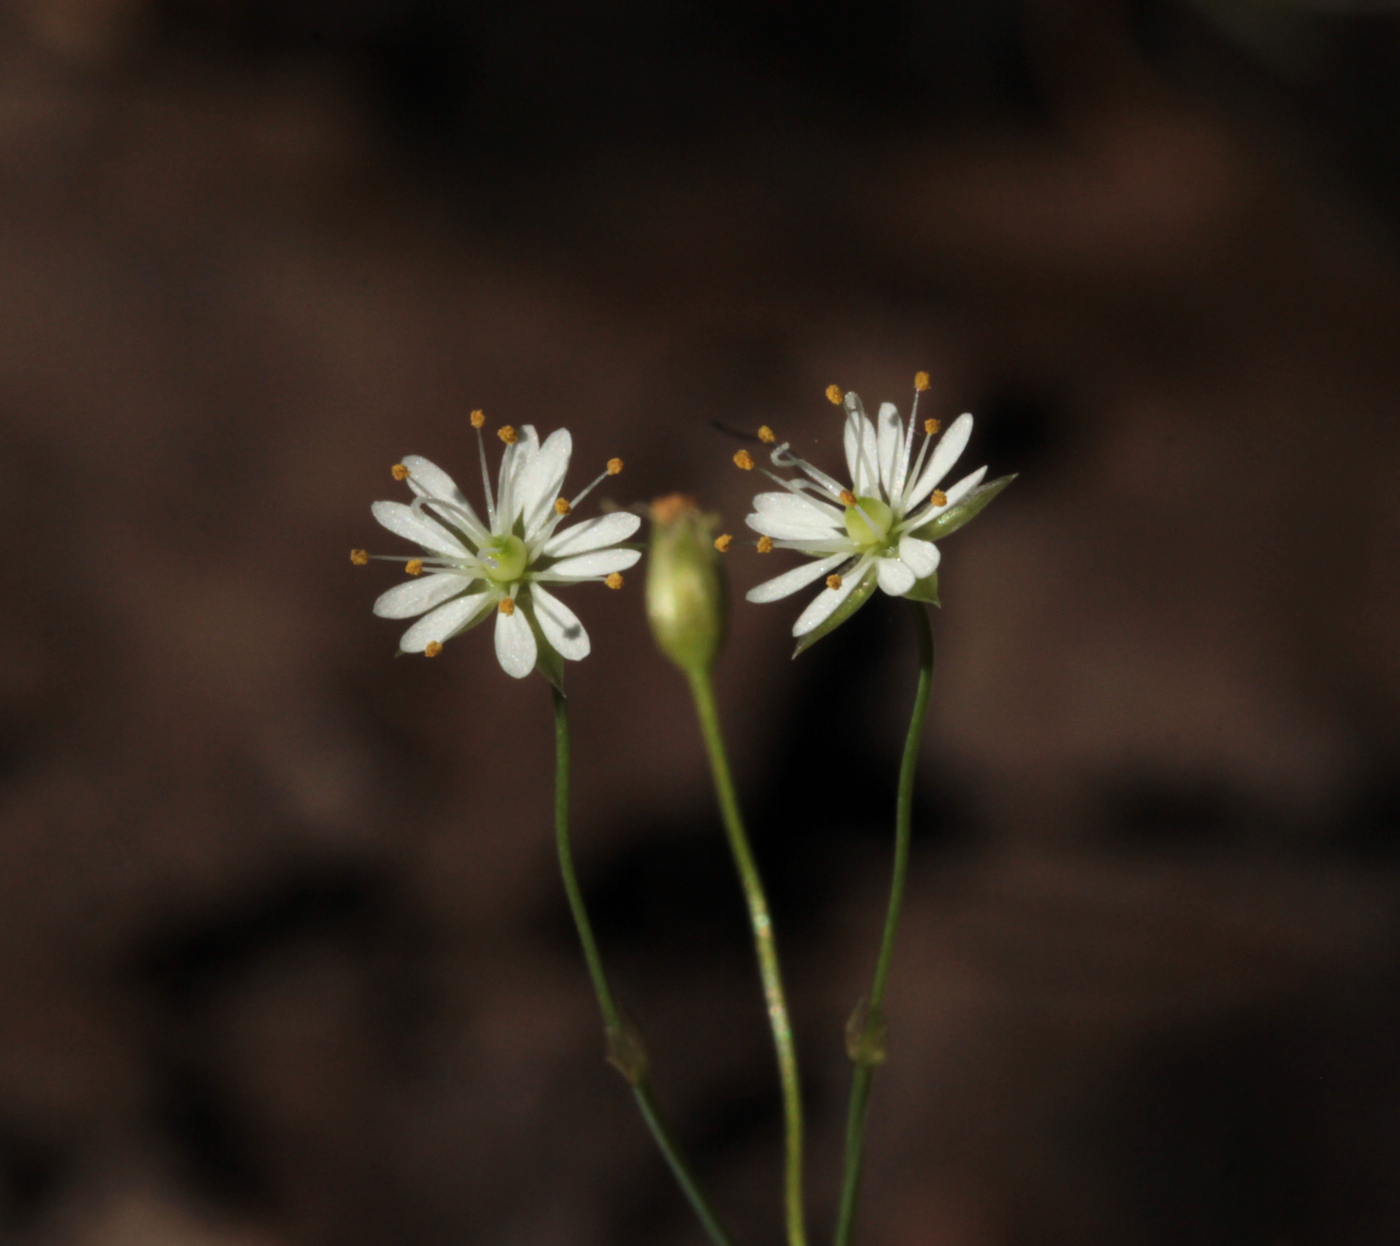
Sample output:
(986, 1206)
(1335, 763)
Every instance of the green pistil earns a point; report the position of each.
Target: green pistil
(510, 556)
(868, 522)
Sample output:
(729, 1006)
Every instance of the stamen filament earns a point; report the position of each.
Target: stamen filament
(485, 474)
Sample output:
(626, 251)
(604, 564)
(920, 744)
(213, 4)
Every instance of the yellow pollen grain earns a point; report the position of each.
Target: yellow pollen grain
(847, 498)
(478, 418)
(507, 606)
(399, 471)
(743, 460)
(614, 466)
(833, 582)
(507, 434)
(561, 505)
(414, 566)
(766, 435)
(614, 580)
(834, 395)
(722, 543)
(765, 545)
(931, 427)
(921, 381)
(432, 649)
(359, 557)
(939, 498)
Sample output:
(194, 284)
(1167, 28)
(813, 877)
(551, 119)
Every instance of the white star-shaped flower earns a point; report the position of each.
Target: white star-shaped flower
(872, 533)
(471, 568)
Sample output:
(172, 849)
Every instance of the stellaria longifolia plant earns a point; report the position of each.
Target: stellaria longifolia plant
(878, 532)
(881, 531)
(472, 567)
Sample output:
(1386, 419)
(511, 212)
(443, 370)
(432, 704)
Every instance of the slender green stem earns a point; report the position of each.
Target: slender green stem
(624, 1047)
(903, 818)
(703, 691)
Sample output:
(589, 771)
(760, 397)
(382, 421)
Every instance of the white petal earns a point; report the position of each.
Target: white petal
(592, 534)
(515, 462)
(515, 643)
(955, 494)
(560, 625)
(426, 477)
(431, 478)
(415, 526)
(795, 529)
(921, 557)
(798, 507)
(861, 455)
(604, 562)
(446, 621)
(945, 454)
(543, 478)
(790, 581)
(889, 438)
(895, 577)
(403, 601)
(824, 603)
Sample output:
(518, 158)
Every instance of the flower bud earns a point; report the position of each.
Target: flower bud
(685, 586)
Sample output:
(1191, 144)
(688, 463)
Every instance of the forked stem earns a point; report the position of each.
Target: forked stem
(866, 1036)
(624, 1048)
(702, 689)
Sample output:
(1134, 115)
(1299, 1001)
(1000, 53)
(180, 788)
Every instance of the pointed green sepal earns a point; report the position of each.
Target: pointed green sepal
(925, 590)
(964, 511)
(859, 596)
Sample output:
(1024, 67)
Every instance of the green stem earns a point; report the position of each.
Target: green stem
(873, 1021)
(624, 1046)
(702, 689)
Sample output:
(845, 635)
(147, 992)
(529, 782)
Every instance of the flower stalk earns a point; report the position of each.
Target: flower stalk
(626, 1052)
(761, 922)
(866, 1033)
(686, 611)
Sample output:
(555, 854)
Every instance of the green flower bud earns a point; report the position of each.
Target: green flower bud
(685, 586)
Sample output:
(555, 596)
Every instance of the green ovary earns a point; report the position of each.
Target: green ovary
(509, 555)
(873, 525)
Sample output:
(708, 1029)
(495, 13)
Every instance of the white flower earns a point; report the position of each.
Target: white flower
(471, 568)
(863, 535)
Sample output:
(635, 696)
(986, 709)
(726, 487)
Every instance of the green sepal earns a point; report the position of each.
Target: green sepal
(964, 511)
(859, 596)
(925, 590)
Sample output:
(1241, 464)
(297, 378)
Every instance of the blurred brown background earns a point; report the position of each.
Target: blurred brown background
(285, 959)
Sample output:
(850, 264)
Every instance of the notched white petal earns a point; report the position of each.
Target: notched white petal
(560, 625)
(415, 526)
(862, 458)
(797, 508)
(604, 562)
(949, 448)
(921, 557)
(515, 643)
(781, 529)
(446, 621)
(543, 479)
(824, 604)
(791, 581)
(592, 534)
(895, 577)
(413, 597)
(889, 438)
